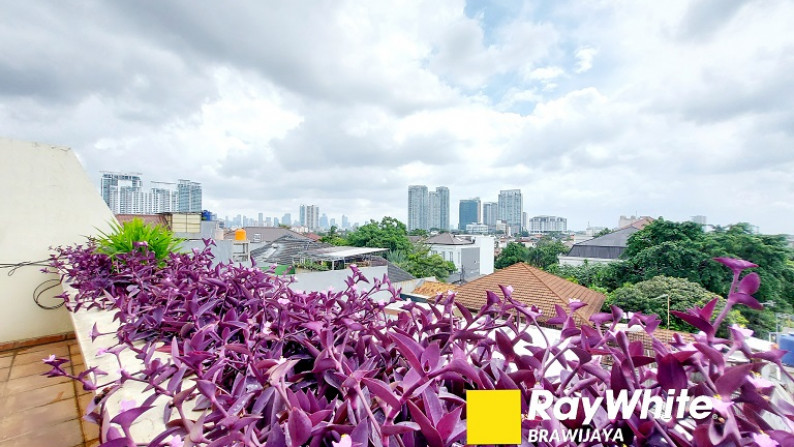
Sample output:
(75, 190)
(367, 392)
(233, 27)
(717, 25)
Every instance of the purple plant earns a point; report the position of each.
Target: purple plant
(253, 362)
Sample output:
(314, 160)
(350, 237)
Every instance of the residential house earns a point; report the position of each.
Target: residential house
(604, 249)
(532, 286)
(473, 255)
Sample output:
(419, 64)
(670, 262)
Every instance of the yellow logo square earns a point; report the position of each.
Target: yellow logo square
(493, 417)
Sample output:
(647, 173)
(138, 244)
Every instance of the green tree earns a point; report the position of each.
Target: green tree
(418, 232)
(651, 297)
(588, 274)
(388, 233)
(333, 237)
(546, 252)
(511, 254)
(603, 232)
(422, 264)
(660, 231)
(683, 250)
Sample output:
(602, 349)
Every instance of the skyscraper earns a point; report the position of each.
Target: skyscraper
(511, 208)
(310, 216)
(286, 219)
(122, 192)
(469, 212)
(433, 210)
(490, 211)
(162, 198)
(418, 208)
(189, 196)
(442, 192)
(548, 224)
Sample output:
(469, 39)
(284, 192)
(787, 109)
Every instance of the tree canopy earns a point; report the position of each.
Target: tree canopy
(684, 250)
(543, 255)
(651, 297)
(390, 233)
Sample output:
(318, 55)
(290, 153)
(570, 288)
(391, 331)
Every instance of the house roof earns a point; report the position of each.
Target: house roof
(432, 288)
(608, 246)
(284, 250)
(396, 274)
(148, 219)
(532, 286)
(447, 239)
(332, 252)
(270, 234)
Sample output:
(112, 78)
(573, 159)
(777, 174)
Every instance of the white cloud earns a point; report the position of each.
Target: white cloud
(595, 109)
(584, 59)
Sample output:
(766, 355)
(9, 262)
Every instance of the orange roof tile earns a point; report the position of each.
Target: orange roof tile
(532, 286)
(431, 289)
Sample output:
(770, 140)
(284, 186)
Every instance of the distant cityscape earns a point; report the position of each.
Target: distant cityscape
(123, 193)
(428, 210)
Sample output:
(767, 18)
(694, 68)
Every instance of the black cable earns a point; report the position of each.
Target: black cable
(43, 286)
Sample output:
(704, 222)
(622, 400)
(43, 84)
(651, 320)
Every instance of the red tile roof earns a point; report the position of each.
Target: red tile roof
(532, 286)
(432, 288)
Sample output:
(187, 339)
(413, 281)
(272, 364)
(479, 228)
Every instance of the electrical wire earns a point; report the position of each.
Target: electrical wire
(43, 286)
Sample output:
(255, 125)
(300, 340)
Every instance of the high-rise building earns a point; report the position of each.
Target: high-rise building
(122, 192)
(189, 196)
(162, 198)
(511, 209)
(427, 210)
(345, 222)
(286, 219)
(418, 208)
(468, 212)
(324, 222)
(310, 216)
(548, 224)
(261, 219)
(433, 210)
(490, 213)
(442, 192)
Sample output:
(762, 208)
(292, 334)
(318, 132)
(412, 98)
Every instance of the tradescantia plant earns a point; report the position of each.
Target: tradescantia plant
(250, 361)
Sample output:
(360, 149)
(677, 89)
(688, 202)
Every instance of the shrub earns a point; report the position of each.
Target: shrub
(136, 235)
(275, 367)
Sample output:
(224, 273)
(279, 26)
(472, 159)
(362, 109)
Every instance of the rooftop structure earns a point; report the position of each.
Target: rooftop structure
(533, 287)
(606, 248)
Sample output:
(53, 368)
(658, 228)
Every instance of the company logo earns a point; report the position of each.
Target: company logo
(494, 416)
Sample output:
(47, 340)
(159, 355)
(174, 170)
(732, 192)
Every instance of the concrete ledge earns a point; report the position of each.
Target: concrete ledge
(149, 424)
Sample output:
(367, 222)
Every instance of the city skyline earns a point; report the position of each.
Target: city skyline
(592, 109)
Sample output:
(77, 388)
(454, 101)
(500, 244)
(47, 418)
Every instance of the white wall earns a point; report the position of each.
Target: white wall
(486, 244)
(46, 200)
(321, 281)
(577, 261)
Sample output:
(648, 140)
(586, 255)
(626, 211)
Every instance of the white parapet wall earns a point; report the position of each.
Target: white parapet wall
(47, 200)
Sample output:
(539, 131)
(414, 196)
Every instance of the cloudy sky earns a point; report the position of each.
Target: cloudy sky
(593, 108)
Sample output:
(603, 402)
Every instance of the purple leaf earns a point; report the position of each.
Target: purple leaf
(448, 424)
(670, 373)
(381, 390)
(696, 321)
(732, 378)
(736, 265)
(428, 428)
(299, 427)
(399, 428)
(126, 418)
